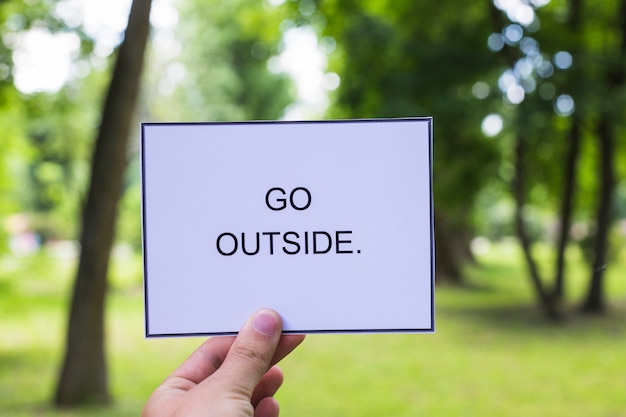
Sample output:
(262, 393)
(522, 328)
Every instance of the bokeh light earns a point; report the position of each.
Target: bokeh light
(492, 125)
(564, 105)
(563, 60)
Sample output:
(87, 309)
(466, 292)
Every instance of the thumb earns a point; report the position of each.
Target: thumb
(251, 354)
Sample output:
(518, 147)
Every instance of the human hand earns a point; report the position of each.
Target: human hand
(229, 376)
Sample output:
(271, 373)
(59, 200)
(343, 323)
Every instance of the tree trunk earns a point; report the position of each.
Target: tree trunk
(567, 207)
(575, 138)
(83, 377)
(519, 191)
(595, 301)
(605, 131)
(448, 256)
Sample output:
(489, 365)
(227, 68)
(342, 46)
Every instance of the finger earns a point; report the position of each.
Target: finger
(268, 407)
(204, 361)
(268, 385)
(286, 345)
(251, 353)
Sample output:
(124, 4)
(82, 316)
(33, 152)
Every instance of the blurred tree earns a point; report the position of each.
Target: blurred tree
(14, 144)
(55, 127)
(574, 137)
(529, 128)
(40, 166)
(47, 151)
(406, 58)
(608, 124)
(564, 83)
(216, 64)
(13, 158)
(220, 73)
(83, 376)
(212, 66)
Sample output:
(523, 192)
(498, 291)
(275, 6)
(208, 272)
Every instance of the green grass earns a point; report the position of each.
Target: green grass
(492, 353)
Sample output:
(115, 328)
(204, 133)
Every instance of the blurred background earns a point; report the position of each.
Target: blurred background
(528, 99)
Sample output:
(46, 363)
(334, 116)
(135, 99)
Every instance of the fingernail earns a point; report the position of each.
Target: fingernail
(266, 322)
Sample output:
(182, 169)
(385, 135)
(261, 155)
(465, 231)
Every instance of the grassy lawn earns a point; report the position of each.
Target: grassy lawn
(492, 354)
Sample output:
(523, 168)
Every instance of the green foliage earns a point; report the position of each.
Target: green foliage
(212, 67)
(15, 150)
(46, 139)
(406, 58)
(221, 72)
(593, 40)
(129, 223)
(51, 170)
(402, 59)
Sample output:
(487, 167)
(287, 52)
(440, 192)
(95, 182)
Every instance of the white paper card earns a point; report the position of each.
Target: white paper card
(330, 223)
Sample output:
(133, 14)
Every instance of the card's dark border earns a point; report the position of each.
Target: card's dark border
(429, 120)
